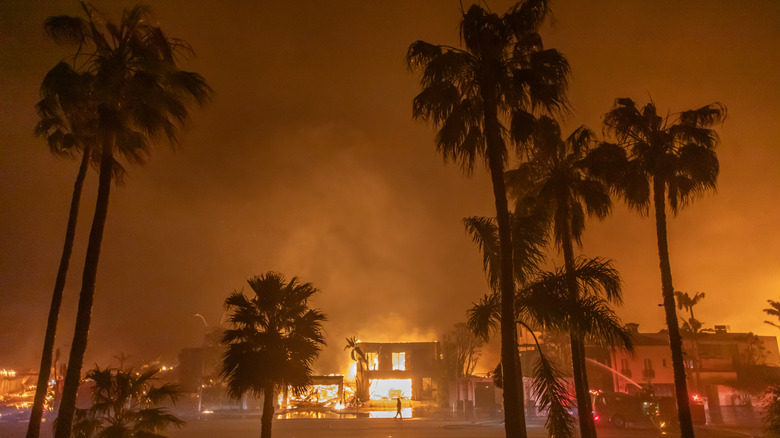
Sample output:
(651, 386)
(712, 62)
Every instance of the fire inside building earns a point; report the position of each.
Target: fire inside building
(406, 370)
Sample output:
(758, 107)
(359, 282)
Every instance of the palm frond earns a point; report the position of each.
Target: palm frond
(64, 29)
(597, 276)
(485, 316)
(554, 398)
(484, 233)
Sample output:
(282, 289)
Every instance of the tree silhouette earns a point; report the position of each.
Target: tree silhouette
(273, 342)
(502, 74)
(556, 177)
(361, 364)
(774, 310)
(670, 160)
(140, 97)
(64, 111)
(461, 350)
(545, 303)
(126, 404)
(686, 301)
(542, 299)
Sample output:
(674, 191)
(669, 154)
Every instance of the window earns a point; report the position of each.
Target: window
(648, 372)
(427, 385)
(399, 361)
(624, 368)
(373, 361)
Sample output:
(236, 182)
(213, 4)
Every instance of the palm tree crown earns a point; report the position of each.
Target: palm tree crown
(774, 310)
(275, 336)
(676, 152)
(138, 92)
(503, 65)
(126, 404)
(557, 177)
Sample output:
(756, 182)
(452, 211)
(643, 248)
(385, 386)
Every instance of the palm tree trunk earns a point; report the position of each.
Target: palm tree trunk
(675, 340)
(268, 411)
(34, 428)
(514, 411)
(581, 389)
(86, 297)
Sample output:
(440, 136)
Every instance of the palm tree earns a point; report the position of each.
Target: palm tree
(140, 96)
(126, 404)
(361, 364)
(670, 160)
(64, 111)
(774, 310)
(686, 301)
(556, 177)
(545, 303)
(273, 342)
(540, 301)
(503, 74)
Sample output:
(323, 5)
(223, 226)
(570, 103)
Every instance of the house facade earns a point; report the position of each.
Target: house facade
(713, 362)
(408, 370)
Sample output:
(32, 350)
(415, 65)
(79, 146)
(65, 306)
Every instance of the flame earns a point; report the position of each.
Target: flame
(386, 389)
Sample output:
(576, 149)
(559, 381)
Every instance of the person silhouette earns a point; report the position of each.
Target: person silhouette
(398, 408)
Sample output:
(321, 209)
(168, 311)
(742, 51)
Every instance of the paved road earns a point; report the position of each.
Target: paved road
(372, 428)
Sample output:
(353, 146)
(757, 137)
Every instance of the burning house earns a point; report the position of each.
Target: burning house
(407, 370)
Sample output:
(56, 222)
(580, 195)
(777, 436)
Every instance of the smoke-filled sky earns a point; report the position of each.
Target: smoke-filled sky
(308, 162)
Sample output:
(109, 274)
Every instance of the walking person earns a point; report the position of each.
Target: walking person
(398, 408)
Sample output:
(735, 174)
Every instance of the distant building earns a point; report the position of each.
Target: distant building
(713, 360)
(408, 370)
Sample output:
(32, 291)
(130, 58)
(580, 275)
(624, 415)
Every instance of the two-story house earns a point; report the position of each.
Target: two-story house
(408, 370)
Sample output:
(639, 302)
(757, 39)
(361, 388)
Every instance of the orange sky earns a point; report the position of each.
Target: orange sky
(308, 162)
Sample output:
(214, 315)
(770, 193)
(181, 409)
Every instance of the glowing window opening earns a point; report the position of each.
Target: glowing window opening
(373, 361)
(399, 361)
(389, 389)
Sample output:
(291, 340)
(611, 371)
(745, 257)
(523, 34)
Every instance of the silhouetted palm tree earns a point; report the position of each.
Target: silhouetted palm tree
(361, 365)
(670, 160)
(692, 327)
(502, 74)
(556, 177)
(126, 404)
(685, 301)
(774, 310)
(141, 96)
(65, 111)
(273, 342)
(545, 303)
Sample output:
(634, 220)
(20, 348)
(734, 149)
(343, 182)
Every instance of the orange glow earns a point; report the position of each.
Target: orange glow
(387, 389)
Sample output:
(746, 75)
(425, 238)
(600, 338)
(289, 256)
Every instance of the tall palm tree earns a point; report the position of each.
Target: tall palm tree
(273, 342)
(141, 96)
(500, 76)
(126, 404)
(556, 176)
(669, 159)
(64, 111)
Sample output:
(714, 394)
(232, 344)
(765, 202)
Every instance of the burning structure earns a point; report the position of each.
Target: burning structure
(406, 370)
